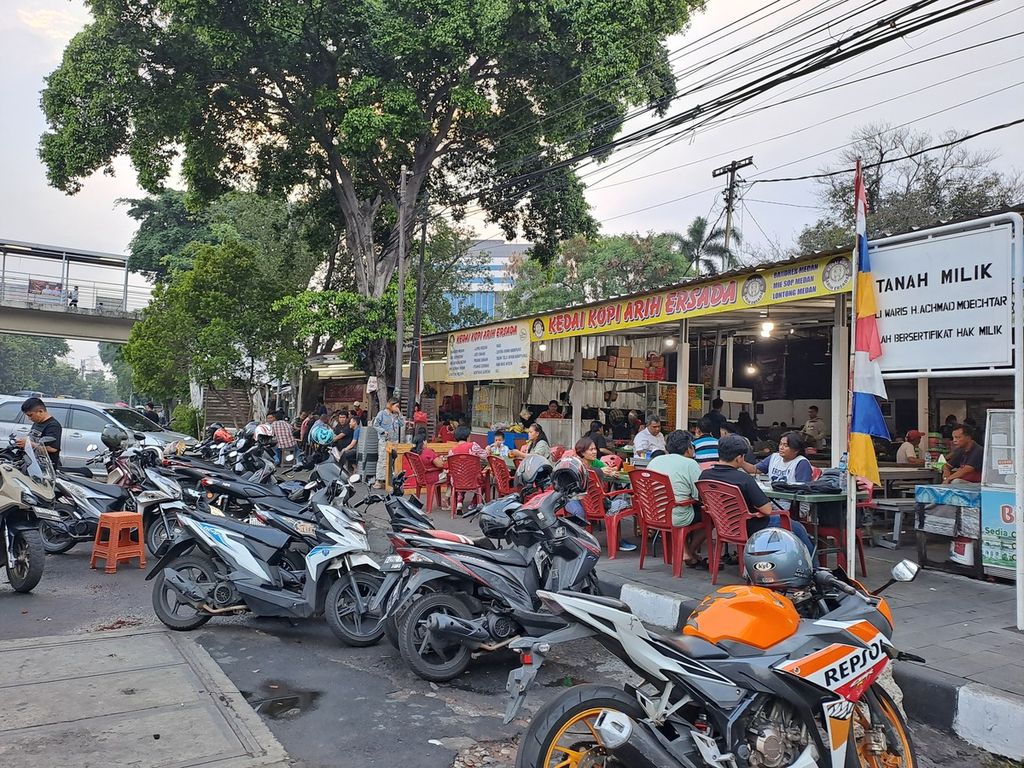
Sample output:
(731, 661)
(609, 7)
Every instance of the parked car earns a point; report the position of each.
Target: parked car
(83, 421)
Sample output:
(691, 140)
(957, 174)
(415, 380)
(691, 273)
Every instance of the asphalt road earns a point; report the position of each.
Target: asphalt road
(330, 705)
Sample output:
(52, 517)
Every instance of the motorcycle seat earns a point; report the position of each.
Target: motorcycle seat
(107, 489)
(693, 647)
(261, 533)
(502, 556)
(608, 602)
(284, 506)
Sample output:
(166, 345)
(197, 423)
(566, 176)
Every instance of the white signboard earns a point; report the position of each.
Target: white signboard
(495, 352)
(945, 302)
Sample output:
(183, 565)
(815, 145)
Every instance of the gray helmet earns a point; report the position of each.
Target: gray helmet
(534, 470)
(775, 558)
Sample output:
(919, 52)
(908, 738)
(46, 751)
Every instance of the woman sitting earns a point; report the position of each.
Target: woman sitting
(789, 465)
(678, 464)
(537, 444)
(586, 450)
(432, 463)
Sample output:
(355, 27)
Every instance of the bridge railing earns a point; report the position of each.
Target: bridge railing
(44, 290)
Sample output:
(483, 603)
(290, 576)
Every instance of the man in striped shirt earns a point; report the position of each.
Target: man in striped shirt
(282, 434)
(705, 444)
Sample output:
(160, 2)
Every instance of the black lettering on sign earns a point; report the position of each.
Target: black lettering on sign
(966, 274)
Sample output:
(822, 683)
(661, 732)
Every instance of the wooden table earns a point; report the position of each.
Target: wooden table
(916, 475)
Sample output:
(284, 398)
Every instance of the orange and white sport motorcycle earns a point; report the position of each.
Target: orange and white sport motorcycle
(752, 682)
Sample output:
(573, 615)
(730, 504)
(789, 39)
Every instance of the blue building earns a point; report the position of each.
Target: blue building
(488, 297)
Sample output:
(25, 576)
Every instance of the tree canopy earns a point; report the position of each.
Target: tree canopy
(37, 362)
(947, 184)
(329, 98)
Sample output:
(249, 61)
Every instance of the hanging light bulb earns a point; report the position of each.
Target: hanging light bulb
(766, 332)
(767, 327)
(543, 347)
(670, 342)
(751, 370)
(792, 331)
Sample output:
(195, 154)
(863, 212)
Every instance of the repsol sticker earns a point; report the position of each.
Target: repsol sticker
(853, 664)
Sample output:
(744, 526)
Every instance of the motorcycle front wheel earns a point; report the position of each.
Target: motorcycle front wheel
(862, 749)
(348, 623)
(29, 555)
(160, 532)
(562, 732)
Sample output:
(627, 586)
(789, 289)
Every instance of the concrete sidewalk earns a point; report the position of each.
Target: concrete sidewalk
(973, 682)
(125, 698)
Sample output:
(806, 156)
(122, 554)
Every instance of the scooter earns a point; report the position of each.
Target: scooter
(285, 567)
(26, 496)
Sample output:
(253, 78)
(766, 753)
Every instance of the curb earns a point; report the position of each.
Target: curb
(980, 715)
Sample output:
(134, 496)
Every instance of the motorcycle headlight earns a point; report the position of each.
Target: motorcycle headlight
(28, 499)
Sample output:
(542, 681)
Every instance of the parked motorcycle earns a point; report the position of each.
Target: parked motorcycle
(748, 683)
(287, 566)
(26, 494)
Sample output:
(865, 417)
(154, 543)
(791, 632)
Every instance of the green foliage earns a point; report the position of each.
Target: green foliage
(213, 323)
(703, 247)
(26, 360)
(326, 100)
(948, 184)
(186, 419)
(112, 356)
(585, 270)
(166, 227)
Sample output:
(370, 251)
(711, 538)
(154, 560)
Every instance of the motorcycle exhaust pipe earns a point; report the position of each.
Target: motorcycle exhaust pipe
(184, 587)
(457, 628)
(632, 745)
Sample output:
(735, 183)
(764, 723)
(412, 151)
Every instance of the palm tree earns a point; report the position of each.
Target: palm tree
(705, 248)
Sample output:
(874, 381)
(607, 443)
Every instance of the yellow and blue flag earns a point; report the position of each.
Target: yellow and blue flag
(866, 418)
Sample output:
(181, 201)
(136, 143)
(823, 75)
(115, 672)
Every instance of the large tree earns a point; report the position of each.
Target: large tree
(329, 98)
(908, 192)
(25, 361)
(703, 244)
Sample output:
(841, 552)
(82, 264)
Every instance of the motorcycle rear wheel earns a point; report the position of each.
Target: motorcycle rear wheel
(562, 733)
(443, 660)
(202, 571)
(29, 557)
(347, 624)
(55, 542)
(858, 750)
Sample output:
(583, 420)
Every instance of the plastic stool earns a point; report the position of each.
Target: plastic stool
(119, 546)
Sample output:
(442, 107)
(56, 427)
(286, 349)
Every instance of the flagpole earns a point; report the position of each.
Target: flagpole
(851, 479)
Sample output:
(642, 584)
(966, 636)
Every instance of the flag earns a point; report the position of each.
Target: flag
(866, 417)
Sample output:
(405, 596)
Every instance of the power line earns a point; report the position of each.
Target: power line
(780, 202)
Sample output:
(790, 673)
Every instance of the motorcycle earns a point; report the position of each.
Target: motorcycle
(482, 600)
(288, 567)
(26, 493)
(748, 683)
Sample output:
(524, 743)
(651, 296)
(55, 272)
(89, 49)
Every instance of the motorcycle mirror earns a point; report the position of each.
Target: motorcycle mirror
(139, 436)
(91, 447)
(905, 570)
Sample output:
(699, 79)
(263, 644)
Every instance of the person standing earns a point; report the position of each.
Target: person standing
(151, 414)
(282, 434)
(814, 429)
(716, 417)
(305, 426)
(43, 426)
(73, 298)
(388, 426)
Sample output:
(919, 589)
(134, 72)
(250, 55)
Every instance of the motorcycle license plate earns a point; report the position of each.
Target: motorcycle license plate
(306, 529)
(45, 514)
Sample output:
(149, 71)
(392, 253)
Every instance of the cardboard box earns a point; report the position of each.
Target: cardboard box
(637, 362)
(621, 373)
(534, 366)
(602, 369)
(590, 365)
(613, 361)
(623, 351)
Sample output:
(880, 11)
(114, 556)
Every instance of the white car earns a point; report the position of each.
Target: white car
(83, 421)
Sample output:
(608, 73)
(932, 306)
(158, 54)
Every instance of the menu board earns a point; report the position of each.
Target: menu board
(492, 352)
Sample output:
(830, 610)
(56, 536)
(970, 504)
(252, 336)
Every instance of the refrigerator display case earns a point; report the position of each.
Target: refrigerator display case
(998, 478)
(494, 404)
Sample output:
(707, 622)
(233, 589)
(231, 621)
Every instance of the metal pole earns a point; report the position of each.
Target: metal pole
(1018, 404)
(400, 313)
(851, 479)
(417, 349)
(682, 377)
(124, 297)
(730, 193)
(3, 277)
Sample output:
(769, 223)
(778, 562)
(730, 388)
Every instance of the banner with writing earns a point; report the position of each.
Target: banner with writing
(810, 279)
(945, 302)
(493, 352)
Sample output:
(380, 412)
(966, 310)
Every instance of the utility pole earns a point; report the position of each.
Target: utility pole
(730, 203)
(417, 351)
(400, 314)
(730, 191)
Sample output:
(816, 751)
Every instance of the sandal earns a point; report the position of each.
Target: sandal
(700, 563)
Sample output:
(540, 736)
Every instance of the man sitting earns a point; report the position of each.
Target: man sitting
(650, 439)
(729, 469)
(908, 452)
(705, 444)
(966, 459)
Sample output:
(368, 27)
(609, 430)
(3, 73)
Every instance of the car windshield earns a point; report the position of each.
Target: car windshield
(134, 421)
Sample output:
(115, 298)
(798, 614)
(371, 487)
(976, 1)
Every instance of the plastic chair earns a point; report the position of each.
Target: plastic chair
(465, 475)
(815, 473)
(557, 452)
(119, 544)
(419, 472)
(654, 499)
(594, 509)
(838, 534)
(724, 507)
(502, 477)
(612, 461)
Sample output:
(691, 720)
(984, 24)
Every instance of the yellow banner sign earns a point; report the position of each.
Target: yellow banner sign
(807, 280)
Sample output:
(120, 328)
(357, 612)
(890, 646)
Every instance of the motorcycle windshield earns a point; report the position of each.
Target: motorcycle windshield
(38, 465)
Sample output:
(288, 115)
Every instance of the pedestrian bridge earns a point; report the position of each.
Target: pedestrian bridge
(48, 290)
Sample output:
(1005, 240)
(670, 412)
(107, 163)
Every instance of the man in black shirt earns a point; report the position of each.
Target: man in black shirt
(597, 435)
(716, 416)
(151, 414)
(43, 426)
(731, 452)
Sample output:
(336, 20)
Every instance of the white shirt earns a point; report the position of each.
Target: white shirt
(906, 452)
(645, 441)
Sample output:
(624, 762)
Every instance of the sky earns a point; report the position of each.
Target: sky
(651, 195)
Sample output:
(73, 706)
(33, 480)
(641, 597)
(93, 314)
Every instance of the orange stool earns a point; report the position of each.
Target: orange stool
(118, 546)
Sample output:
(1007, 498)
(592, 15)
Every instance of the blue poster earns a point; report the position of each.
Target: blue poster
(998, 529)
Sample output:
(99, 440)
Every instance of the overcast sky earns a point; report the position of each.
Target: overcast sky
(34, 32)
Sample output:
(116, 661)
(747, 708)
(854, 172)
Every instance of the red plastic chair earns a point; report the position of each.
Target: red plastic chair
(465, 475)
(415, 463)
(612, 461)
(724, 507)
(815, 473)
(502, 477)
(594, 508)
(838, 534)
(654, 499)
(557, 452)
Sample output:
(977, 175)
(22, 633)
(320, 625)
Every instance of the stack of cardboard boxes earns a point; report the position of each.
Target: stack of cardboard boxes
(616, 363)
